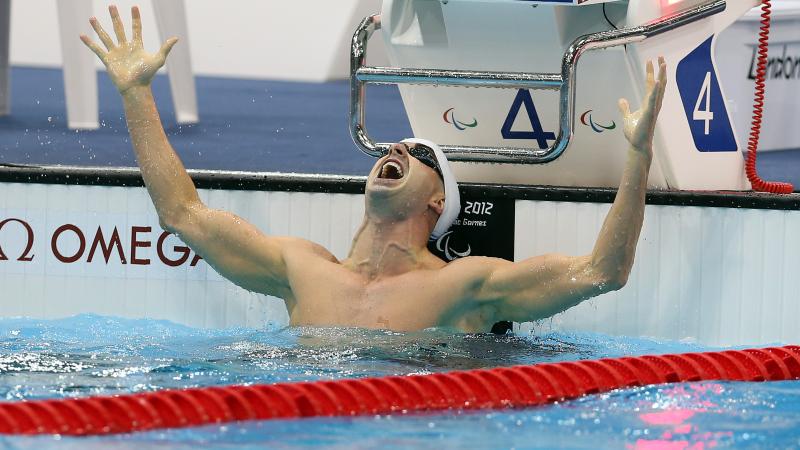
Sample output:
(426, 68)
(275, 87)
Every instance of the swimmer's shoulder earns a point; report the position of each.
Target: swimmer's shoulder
(472, 269)
(476, 263)
(294, 246)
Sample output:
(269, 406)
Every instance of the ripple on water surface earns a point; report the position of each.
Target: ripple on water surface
(87, 355)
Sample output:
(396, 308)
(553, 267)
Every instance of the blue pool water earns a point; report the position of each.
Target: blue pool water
(88, 355)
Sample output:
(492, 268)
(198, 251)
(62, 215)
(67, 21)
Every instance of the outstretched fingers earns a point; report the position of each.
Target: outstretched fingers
(624, 107)
(119, 29)
(656, 96)
(101, 33)
(94, 47)
(662, 80)
(167, 47)
(136, 20)
(651, 80)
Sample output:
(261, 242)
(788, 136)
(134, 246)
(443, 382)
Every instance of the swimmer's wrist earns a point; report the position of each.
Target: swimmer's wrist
(641, 151)
(136, 92)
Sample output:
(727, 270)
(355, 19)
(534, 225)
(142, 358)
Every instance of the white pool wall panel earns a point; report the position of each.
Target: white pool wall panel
(718, 276)
(196, 296)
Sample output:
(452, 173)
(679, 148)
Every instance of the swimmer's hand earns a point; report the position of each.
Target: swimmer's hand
(127, 63)
(639, 126)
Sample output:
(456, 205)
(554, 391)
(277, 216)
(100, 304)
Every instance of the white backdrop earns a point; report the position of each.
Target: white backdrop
(719, 276)
(306, 40)
(736, 55)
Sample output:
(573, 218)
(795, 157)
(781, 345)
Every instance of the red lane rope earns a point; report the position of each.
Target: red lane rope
(504, 387)
(758, 110)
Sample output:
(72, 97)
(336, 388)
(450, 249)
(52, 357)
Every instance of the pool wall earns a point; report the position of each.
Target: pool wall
(712, 267)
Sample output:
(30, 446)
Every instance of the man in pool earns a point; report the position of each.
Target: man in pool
(389, 280)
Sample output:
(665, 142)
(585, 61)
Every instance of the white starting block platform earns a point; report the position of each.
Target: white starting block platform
(697, 146)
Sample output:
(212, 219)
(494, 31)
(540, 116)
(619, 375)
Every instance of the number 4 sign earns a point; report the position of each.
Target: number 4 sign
(706, 115)
(703, 102)
(537, 133)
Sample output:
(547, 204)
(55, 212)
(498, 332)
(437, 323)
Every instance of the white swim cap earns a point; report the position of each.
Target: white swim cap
(452, 199)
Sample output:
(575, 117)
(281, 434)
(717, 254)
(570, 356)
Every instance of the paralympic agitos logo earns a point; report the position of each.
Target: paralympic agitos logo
(443, 245)
(449, 116)
(598, 128)
(70, 243)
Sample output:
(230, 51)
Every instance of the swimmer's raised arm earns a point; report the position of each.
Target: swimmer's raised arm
(545, 285)
(236, 249)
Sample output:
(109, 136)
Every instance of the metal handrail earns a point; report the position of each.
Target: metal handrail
(361, 75)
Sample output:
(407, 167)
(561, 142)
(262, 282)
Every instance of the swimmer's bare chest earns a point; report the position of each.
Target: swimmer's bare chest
(326, 293)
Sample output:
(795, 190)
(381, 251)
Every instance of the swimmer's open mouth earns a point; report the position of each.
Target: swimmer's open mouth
(391, 170)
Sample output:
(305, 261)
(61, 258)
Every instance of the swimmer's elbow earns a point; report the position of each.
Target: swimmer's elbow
(606, 273)
(168, 224)
(612, 280)
(176, 219)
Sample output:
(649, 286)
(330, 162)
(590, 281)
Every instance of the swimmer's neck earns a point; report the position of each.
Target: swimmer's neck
(386, 248)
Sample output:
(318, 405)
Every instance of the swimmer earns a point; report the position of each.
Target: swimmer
(389, 280)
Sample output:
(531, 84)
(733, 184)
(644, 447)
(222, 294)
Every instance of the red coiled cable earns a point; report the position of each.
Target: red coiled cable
(758, 110)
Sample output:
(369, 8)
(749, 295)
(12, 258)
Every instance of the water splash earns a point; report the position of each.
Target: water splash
(88, 354)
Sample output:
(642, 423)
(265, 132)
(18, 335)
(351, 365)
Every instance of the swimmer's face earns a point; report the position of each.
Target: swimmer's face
(401, 185)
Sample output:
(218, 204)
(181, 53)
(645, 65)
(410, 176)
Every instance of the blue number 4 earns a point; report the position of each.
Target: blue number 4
(537, 133)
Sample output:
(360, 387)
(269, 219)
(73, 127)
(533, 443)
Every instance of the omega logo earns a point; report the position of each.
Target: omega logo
(26, 256)
(106, 247)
